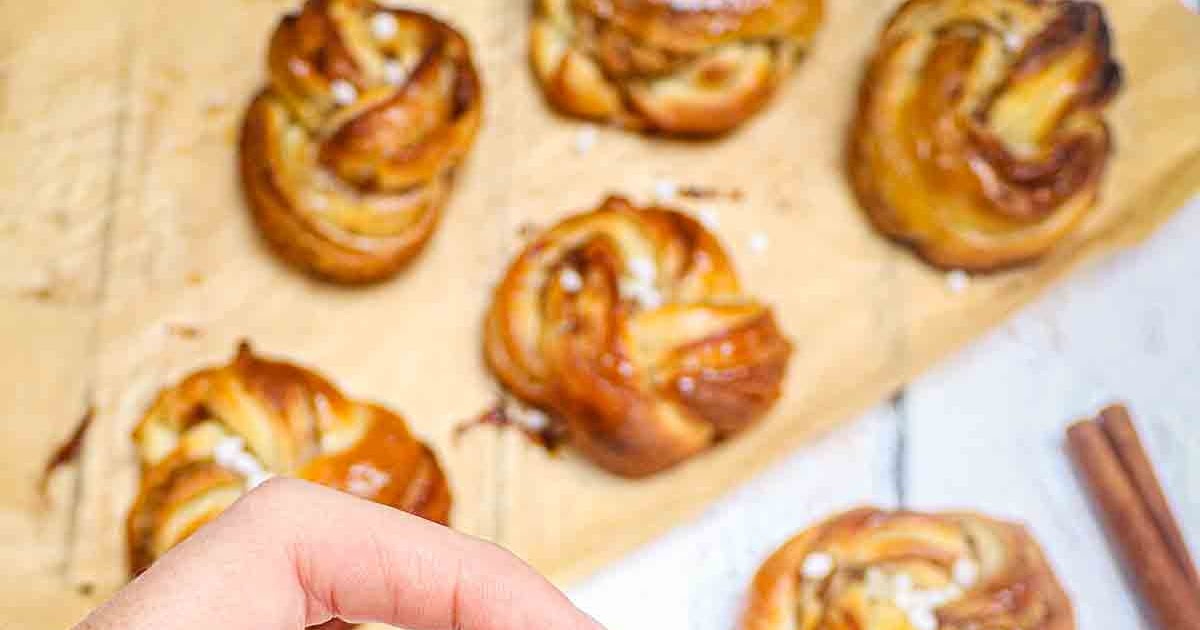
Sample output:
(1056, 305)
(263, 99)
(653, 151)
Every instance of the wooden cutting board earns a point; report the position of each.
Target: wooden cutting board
(128, 261)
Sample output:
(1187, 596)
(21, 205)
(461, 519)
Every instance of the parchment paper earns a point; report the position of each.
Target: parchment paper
(129, 260)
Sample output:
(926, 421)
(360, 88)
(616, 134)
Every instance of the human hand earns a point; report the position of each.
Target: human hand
(291, 554)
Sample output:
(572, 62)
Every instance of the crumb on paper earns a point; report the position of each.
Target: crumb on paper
(184, 331)
(957, 281)
(216, 102)
(759, 242)
(694, 191)
(195, 278)
(43, 293)
(173, 73)
(585, 139)
(528, 229)
(43, 285)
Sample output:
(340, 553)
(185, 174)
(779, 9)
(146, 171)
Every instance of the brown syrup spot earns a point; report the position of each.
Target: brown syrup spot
(66, 453)
(528, 229)
(42, 294)
(550, 438)
(215, 107)
(693, 191)
(184, 331)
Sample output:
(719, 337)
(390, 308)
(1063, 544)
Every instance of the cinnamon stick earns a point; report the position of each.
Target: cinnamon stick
(1119, 429)
(1163, 585)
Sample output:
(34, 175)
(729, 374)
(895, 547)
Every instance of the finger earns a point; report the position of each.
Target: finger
(292, 554)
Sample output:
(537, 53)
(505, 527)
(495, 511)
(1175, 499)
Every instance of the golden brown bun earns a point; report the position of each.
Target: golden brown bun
(348, 156)
(884, 567)
(628, 325)
(683, 67)
(980, 138)
(290, 421)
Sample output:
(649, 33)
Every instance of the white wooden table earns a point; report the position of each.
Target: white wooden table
(984, 431)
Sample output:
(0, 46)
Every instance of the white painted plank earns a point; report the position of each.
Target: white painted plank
(696, 577)
(985, 431)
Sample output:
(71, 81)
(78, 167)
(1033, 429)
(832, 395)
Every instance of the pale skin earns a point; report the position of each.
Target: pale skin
(290, 555)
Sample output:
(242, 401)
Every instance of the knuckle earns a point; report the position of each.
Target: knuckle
(494, 553)
(271, 494)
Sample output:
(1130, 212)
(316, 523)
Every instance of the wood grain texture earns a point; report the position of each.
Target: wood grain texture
(866, 316)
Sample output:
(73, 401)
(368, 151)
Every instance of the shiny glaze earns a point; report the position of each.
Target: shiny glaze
(683, 67)
(640, 387)
(1015, 588)
(293, 422)
(980, 138)
(352, 191)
